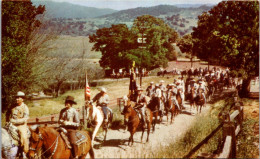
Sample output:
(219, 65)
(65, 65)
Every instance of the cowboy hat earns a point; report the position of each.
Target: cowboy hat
(102, 89)
(161, 81)
(70, 99)
(151, 82)
(20, 94)
(139, 89)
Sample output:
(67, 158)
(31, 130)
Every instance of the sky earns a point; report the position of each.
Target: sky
(127, 4)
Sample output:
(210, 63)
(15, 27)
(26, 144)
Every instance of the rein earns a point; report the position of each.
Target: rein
(55, 148)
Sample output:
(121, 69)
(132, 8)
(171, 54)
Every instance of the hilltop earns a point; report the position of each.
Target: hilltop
(68, 10)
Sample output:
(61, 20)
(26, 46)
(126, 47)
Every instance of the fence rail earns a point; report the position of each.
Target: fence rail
(231, 126)
(53, 119)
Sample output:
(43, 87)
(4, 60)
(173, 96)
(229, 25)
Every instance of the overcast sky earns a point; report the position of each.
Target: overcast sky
(127, 4)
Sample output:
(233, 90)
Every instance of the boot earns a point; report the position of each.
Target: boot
(66, 139)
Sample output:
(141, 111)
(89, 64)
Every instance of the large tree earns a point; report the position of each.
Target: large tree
(112, 43)
(229, 34)
(119, 46)
(18, 22)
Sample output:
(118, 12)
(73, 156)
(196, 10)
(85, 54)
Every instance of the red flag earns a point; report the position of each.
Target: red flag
(87, 90)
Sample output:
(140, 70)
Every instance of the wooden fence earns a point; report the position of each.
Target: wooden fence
(231, 126)
(53, 119)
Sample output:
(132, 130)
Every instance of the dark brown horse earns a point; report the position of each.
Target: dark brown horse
(154, 107)
(192, 97)
(199, 100)
(132, 119)
(171, 107)
(53, 146)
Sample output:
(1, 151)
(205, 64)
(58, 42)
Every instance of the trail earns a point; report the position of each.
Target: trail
(116, 145)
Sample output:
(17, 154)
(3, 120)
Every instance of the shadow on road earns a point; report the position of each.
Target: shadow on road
(111, 143)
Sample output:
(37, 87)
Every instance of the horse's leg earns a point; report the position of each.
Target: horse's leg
(148, 130)
(105, 134)
(172, 111)
(142, 134)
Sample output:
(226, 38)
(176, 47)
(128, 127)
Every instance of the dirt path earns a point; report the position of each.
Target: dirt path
(116, 145)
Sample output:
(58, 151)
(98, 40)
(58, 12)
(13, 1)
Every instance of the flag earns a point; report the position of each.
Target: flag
(87, 90)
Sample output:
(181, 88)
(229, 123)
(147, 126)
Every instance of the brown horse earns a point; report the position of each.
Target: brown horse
(178, 97)
(171, 107)
(192, 97)
(199, 100)
(53, 146)
(133, 122)
(154, 107)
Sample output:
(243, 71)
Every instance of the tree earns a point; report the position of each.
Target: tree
(229, 33)
(18, 22)
(119, 46)
(159, 38)
(186, 45)
(113, 42)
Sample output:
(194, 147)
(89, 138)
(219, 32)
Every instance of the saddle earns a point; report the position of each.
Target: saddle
(14, 133)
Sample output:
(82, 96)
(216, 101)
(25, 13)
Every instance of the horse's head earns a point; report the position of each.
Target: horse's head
(36, 141)
(128, 108)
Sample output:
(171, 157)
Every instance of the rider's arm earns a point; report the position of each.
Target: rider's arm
(23, 120)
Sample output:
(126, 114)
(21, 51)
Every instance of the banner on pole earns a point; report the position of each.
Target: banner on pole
(87, 90)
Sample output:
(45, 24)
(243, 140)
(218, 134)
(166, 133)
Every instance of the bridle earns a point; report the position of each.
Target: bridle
(37, 146)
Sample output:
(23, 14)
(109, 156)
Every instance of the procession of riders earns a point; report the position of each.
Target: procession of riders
(203, 80)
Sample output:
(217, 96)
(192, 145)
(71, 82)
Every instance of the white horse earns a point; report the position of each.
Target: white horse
(9, 148)
(96, 117)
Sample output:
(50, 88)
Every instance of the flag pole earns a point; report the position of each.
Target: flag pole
(87, 98)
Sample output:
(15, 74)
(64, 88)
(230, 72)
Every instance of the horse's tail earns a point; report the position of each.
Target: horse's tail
(91, 153)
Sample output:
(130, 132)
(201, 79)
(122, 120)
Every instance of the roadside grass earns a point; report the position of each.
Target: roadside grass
(248, 139)
(203, 125)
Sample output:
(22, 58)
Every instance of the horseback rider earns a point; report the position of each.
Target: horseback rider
(180, 90)
(150, 90)
(18, 121)
(132, 86)
(69, 122)
(202, 87)
(141, 104)
(163, 89)
(102, 100)
(158, 96)
(174, 92)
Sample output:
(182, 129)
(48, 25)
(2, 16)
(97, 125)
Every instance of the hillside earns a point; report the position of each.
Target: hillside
(68, 10)
(80, 21)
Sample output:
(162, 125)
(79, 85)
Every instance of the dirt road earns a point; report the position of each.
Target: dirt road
(116, 145)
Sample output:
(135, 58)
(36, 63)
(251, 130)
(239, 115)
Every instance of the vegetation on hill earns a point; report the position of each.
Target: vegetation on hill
(78, 20)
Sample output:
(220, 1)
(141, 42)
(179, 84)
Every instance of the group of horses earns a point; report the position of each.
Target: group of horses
(52, 145)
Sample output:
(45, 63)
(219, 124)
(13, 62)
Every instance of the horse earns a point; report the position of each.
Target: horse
(170, 107)
(179, 100)
(154, 107)
(199, 100)
(53, 146)
(9, 147)
(192, 97)
(133, 122)
(211, 91)
(95, 116)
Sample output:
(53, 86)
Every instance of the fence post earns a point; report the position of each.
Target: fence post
(37, 120)
(229, 130)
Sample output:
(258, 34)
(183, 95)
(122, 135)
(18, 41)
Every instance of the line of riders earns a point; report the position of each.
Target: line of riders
(123, 73)
(207, 82)
(69, 118)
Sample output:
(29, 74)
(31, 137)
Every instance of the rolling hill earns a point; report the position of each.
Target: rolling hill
(68, 10)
